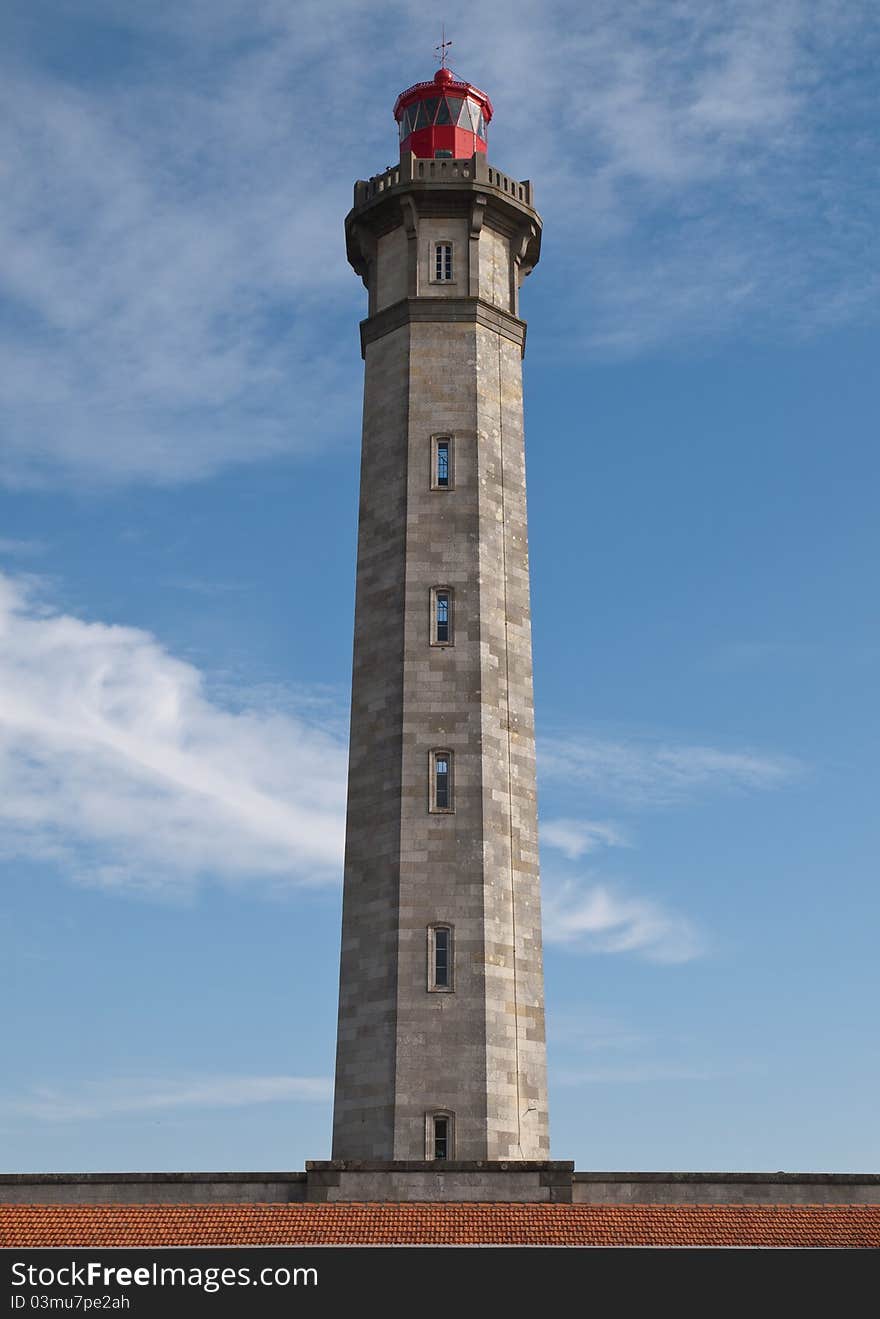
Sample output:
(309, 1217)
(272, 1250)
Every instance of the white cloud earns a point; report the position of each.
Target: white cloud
(170, 250)
(686, 152)
(577, 837)
(655, 773)
(176, 295)
(592, 918)
(114, 760)
(105, 1099)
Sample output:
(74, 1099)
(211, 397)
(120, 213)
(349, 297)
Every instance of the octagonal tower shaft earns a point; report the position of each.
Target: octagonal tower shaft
(442, 825)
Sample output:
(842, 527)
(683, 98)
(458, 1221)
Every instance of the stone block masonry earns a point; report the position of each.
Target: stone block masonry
(442, 359)
(513, 1182)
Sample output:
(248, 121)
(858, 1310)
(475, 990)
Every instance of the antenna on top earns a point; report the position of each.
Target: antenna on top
(442, 48)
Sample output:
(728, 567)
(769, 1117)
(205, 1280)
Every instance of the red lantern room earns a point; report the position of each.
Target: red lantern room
(443, 118)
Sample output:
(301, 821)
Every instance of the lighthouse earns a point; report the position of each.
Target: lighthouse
(441, 1045)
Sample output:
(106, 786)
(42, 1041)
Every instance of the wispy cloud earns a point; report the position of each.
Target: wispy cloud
(574, 838)
(22, 549)
(120, 760)
(167, 252)
(638, 1073)
(701, 175)
(114, 759)
(589, 1046)
(176, 297)
(643, 772)
(89, 1100)
(795, 657)
(199, 586)
(592, 915)
(590, 1029)
(594, 918)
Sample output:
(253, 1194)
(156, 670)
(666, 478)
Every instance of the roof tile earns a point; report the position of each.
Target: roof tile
(439, 1224)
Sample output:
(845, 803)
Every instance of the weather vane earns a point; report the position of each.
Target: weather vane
(443, 47)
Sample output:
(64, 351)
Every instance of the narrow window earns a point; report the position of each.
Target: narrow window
(443, 262)
(441, 780)
(441, 616)
(441, 1137)
(440, 958)
(441, 462)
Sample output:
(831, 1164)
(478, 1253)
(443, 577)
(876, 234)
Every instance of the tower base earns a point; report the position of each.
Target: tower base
(520, 1182)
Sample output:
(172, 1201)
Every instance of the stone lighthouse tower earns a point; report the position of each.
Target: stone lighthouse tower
(441, 1052)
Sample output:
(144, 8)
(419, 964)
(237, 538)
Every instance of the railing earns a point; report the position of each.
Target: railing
(521, 191)
(442, 171)
(365, 190)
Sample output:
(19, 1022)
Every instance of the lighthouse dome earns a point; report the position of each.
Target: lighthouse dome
(445, 117)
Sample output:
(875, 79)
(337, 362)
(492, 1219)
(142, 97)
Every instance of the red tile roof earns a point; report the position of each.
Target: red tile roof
(439, 1224)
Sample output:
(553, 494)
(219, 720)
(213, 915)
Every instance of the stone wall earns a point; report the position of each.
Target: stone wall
(725, 1188)
(517, 1182)
(153, 1188)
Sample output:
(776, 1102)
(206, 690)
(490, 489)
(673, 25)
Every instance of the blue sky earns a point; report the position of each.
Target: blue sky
(178, 456)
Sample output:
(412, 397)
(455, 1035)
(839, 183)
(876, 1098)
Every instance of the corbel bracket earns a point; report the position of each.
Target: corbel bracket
(478, 212)
(410, 216)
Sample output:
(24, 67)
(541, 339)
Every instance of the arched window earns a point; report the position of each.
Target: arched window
(440, 959)
(440, 1135)
(441, 781)
(441, 616)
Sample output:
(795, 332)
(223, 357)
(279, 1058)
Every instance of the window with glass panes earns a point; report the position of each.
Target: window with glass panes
(440, 956)
(441, 616)
(443, 262)
(442, 1136)
(442, 473)
(441, 786)
(441, 111)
